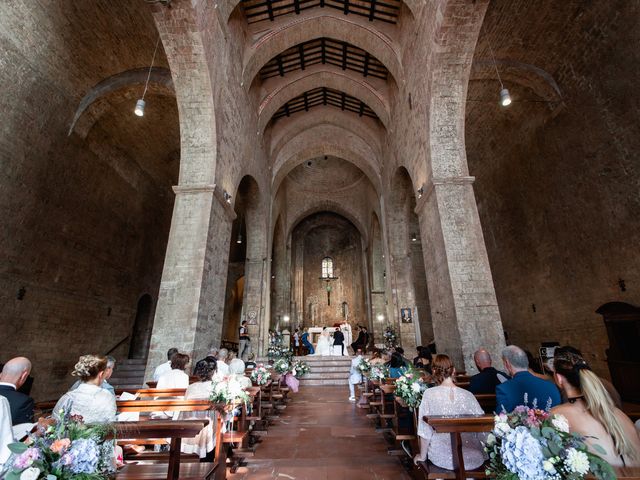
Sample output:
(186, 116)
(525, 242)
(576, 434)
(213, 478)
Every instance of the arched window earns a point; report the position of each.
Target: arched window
(327, 267)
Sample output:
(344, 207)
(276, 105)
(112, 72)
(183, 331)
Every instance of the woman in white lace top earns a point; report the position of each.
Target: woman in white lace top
(89, 400)
(447, 399)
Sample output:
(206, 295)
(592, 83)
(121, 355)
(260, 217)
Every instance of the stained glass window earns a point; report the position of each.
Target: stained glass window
(327, 267)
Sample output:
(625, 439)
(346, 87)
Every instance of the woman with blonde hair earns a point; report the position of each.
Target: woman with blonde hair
(591, 412)
(89, 399)
(447, 399)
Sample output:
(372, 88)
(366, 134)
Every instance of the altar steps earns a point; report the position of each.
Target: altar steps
(326, 370)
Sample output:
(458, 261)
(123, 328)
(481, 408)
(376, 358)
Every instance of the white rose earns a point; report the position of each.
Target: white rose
(561, 423)
(491, 439)
(501, 429)
(31, 473)
(548, 466)
(577, 461)
(416, 387)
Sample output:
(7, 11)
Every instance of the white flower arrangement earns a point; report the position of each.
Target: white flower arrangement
(282, 366)
(300, 369)
(228, 390)
(410, 387)
(260, 375)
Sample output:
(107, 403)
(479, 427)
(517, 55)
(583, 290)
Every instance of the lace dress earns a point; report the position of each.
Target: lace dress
(450, 401)
(205, 441)
(93, 403)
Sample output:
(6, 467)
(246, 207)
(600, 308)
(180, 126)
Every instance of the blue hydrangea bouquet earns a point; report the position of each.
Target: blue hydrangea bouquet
(66, 450)
(532, 444)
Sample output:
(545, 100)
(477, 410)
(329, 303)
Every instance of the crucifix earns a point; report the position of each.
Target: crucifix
(328, 287)
(327, 276)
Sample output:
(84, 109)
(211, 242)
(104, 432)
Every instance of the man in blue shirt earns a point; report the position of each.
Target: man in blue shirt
(524, 388)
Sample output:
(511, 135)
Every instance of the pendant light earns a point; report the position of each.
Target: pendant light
(140, 104)
(505, 97)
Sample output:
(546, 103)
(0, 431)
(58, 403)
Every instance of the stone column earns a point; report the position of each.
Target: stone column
(252, 303)
(401, 265)
(190, 305)
(463, 302)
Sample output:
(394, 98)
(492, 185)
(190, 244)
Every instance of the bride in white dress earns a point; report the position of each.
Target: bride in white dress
(323, 348)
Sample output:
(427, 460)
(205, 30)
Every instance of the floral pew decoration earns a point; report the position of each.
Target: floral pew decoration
(390, 337)
(230, 392)
(532, 444)
(364, 367)
(300, 368)
(378, 373)
(67, 449)
(285, 366)
(409, 388)
(260, 376)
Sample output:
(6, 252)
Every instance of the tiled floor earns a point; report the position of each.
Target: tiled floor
(322, 436)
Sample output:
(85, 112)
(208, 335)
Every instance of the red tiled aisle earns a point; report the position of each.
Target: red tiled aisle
(322, 436)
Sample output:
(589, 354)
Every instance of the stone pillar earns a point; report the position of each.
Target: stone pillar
(402, 271)
(463, 302)
(189, 312)
(252, 303)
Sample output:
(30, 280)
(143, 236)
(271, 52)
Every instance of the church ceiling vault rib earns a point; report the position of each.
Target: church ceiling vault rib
(260, 10)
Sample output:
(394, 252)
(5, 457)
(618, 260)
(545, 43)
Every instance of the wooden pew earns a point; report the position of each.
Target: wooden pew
(455, 426)
(173, 469)
(487, 401)
(153, 383)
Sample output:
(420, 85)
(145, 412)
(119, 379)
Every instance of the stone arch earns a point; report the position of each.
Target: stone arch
(367, 129)
(247, 203)
(307, 145)
(324, 24)
(328, 206)
(341, 81)
(160, 82)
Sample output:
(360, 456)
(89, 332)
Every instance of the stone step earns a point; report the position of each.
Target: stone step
(128, 374)
(329, 369)
(129, 368)
(326, 381)
(312, 375)
(131, 361)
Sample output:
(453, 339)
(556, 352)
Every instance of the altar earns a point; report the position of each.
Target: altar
(314, 332)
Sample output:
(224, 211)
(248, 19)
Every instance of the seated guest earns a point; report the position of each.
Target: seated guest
(165, 367)
(251, 363)
(111, 363)
(14, 374)
(397, 365)
(26, 386)
(424, 359)
(447, 399)
(203, 443)
(613, 393)
(361, 340)
(406, 361)
(176, 377)
(223, 368)
(89, 400)
(523, 384)
(592, 414)
(376, 357)
(212, 355)
(236, 368)
(535, 369)
(489, 378)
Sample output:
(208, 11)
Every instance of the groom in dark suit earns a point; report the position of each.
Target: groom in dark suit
(13, 376)
(338, 339)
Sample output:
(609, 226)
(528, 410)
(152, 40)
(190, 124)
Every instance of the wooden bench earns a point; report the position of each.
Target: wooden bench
(173, 469)
(456, 426)
(487, 401)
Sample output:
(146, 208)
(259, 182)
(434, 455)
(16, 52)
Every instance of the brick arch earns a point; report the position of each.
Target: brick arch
(333, 207)
(314, 142)
(92, 103)
(194, 95)
(254, 216)
(367, 129)
(324, 24)
(341, 81)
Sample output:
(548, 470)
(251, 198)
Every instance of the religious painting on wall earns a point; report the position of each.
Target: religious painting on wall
(252, 317)
(405, 315)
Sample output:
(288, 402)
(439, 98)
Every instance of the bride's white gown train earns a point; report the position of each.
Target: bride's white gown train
(323, 348)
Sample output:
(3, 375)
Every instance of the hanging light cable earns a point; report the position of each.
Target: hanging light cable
(505, 98)
(140, 104)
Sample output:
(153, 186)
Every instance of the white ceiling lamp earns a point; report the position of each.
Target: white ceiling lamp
(505, 97)
(140, 104)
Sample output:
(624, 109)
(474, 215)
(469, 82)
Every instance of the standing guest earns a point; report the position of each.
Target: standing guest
(296, 342)
(488, 377)
(338, 340)
(92, 402)
(176, 377)
(397, 365)
(244, 345)
(203, 443)
(165, 367)
(223, 368)
(523, 388)
(355, 377)
(111, 363)
(306, 342)
(14, 374)
(367, 340)
(447, 399)
(591, 413)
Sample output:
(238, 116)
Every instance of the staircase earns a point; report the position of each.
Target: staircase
(326, 370)
(129, 373)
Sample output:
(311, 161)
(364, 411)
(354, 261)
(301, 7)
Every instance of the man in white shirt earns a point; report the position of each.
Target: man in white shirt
(223, 368)
(165, 367)
(355, 377)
